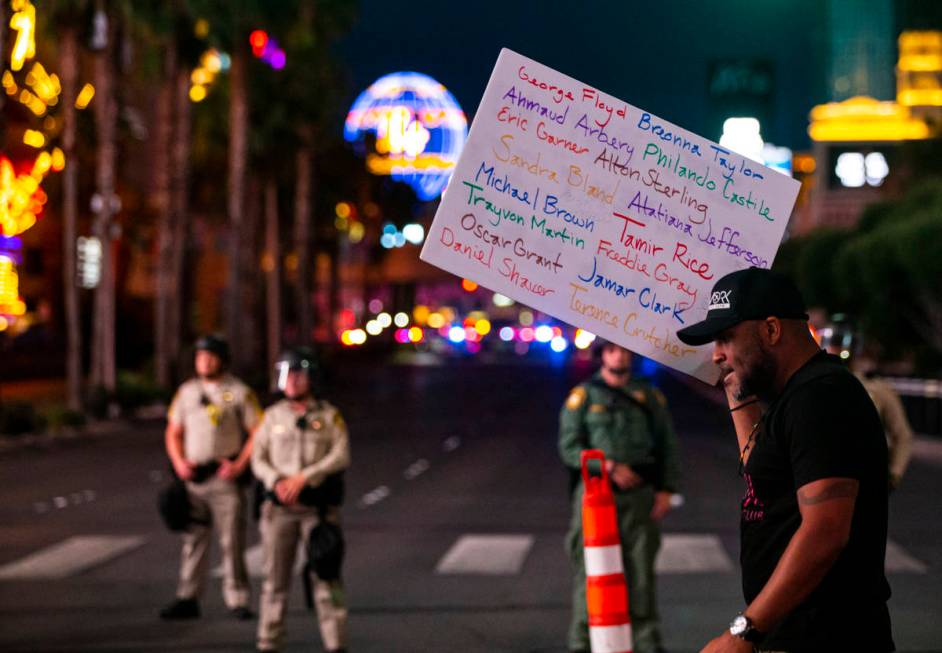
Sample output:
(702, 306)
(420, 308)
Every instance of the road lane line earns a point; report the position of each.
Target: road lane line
(420, 466)
(69, 557)
(692, 553)
(492, 555)
(898, 561)
(374, 497)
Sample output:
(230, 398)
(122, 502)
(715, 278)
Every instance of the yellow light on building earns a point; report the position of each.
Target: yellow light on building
(42, 164)
(32, 102)
(85, 96)
(357, 232)
(34, 138)
(436, 320)
(10, 302)
(865, 119)
(9, 84)
(24, 22)
(201, 28)
(421, 314)
(58, 159)
(197, 93)
(919, 70)
(44, 85)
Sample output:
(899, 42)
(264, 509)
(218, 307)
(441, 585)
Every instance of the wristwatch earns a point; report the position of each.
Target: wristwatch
(743, 628)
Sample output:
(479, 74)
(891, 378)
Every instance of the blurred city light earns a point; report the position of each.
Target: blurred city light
(456, 334)
(526, 318)
(416, 334)
(502, 300)
(742, 135)
(375, 306)
(401, 320)
(558, 344)
(543, 333)
(85, 96)
(414, 233)
(374, 328)
(436, 320)
(23, 22)
(468, 285)
(583, 339)
(384, 319)
(483, 327)
(506, 333)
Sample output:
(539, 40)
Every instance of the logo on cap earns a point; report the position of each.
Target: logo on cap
(720, 299)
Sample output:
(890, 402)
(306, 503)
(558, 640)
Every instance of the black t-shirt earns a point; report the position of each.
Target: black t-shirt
(822, 425)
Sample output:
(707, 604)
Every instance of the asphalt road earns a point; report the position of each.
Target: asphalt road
(455, 516)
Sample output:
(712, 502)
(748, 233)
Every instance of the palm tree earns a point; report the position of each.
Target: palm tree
(103, 371)
(66, 22)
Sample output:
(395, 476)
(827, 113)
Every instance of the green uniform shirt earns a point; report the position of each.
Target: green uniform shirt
(629, 424)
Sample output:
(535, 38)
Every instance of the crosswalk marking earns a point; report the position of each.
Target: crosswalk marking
(476, 554)
(69, 557)
(898, 561)
(486, 554)
(255, 560)
(683, 553)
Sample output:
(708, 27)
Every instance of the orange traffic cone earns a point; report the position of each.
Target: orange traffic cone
(606, 590)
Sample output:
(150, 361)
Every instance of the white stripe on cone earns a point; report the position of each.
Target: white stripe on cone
(610, 639)
(603, 560)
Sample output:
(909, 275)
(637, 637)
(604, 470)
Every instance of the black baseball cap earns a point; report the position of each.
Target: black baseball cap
(750, 294)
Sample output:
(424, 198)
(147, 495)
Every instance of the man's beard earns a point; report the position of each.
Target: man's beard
(758, 380)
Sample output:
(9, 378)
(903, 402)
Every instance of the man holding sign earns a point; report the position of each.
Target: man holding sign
(814, 517)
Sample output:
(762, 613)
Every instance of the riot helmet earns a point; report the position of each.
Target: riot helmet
(298, 359)
(215, 345)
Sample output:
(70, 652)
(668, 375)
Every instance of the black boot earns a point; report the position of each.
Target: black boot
(181, 609)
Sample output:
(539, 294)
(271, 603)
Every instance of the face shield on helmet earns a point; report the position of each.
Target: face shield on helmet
(839, 338)
(294, 361)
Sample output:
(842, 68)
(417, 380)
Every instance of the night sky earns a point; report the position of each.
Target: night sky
(654, 56)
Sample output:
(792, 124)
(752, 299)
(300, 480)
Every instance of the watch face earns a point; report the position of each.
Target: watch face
(739, 625)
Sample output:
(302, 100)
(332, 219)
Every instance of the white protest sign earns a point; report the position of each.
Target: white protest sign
(602, 215)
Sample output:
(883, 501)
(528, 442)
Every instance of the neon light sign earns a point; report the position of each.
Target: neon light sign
(419, 130)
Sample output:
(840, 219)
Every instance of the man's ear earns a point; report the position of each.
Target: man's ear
(772, 330)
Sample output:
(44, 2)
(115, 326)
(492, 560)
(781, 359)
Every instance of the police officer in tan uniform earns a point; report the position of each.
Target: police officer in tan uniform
(841, 340)
(209, 442)
(301, 443)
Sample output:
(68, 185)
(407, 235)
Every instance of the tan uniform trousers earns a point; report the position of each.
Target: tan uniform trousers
(222, 504)
(283, 528)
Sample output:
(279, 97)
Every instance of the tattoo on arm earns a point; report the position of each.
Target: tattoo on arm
(839, 490)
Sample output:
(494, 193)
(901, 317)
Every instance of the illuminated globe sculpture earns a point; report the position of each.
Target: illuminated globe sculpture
(419, 130)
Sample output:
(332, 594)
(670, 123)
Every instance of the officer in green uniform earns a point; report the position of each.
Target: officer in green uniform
(628, 420)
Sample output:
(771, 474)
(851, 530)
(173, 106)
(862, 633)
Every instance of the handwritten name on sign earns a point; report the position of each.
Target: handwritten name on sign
(601, 214)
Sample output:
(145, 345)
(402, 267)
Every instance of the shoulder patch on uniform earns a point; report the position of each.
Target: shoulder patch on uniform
(576, 398)
(640, 397)
(338, 419)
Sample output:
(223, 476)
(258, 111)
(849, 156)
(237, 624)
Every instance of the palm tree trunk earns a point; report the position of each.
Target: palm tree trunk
(103, 368)
(179, 203)
(163, 295)
(68, 68)
(238, 128)
(302, 243)
(273, 272)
